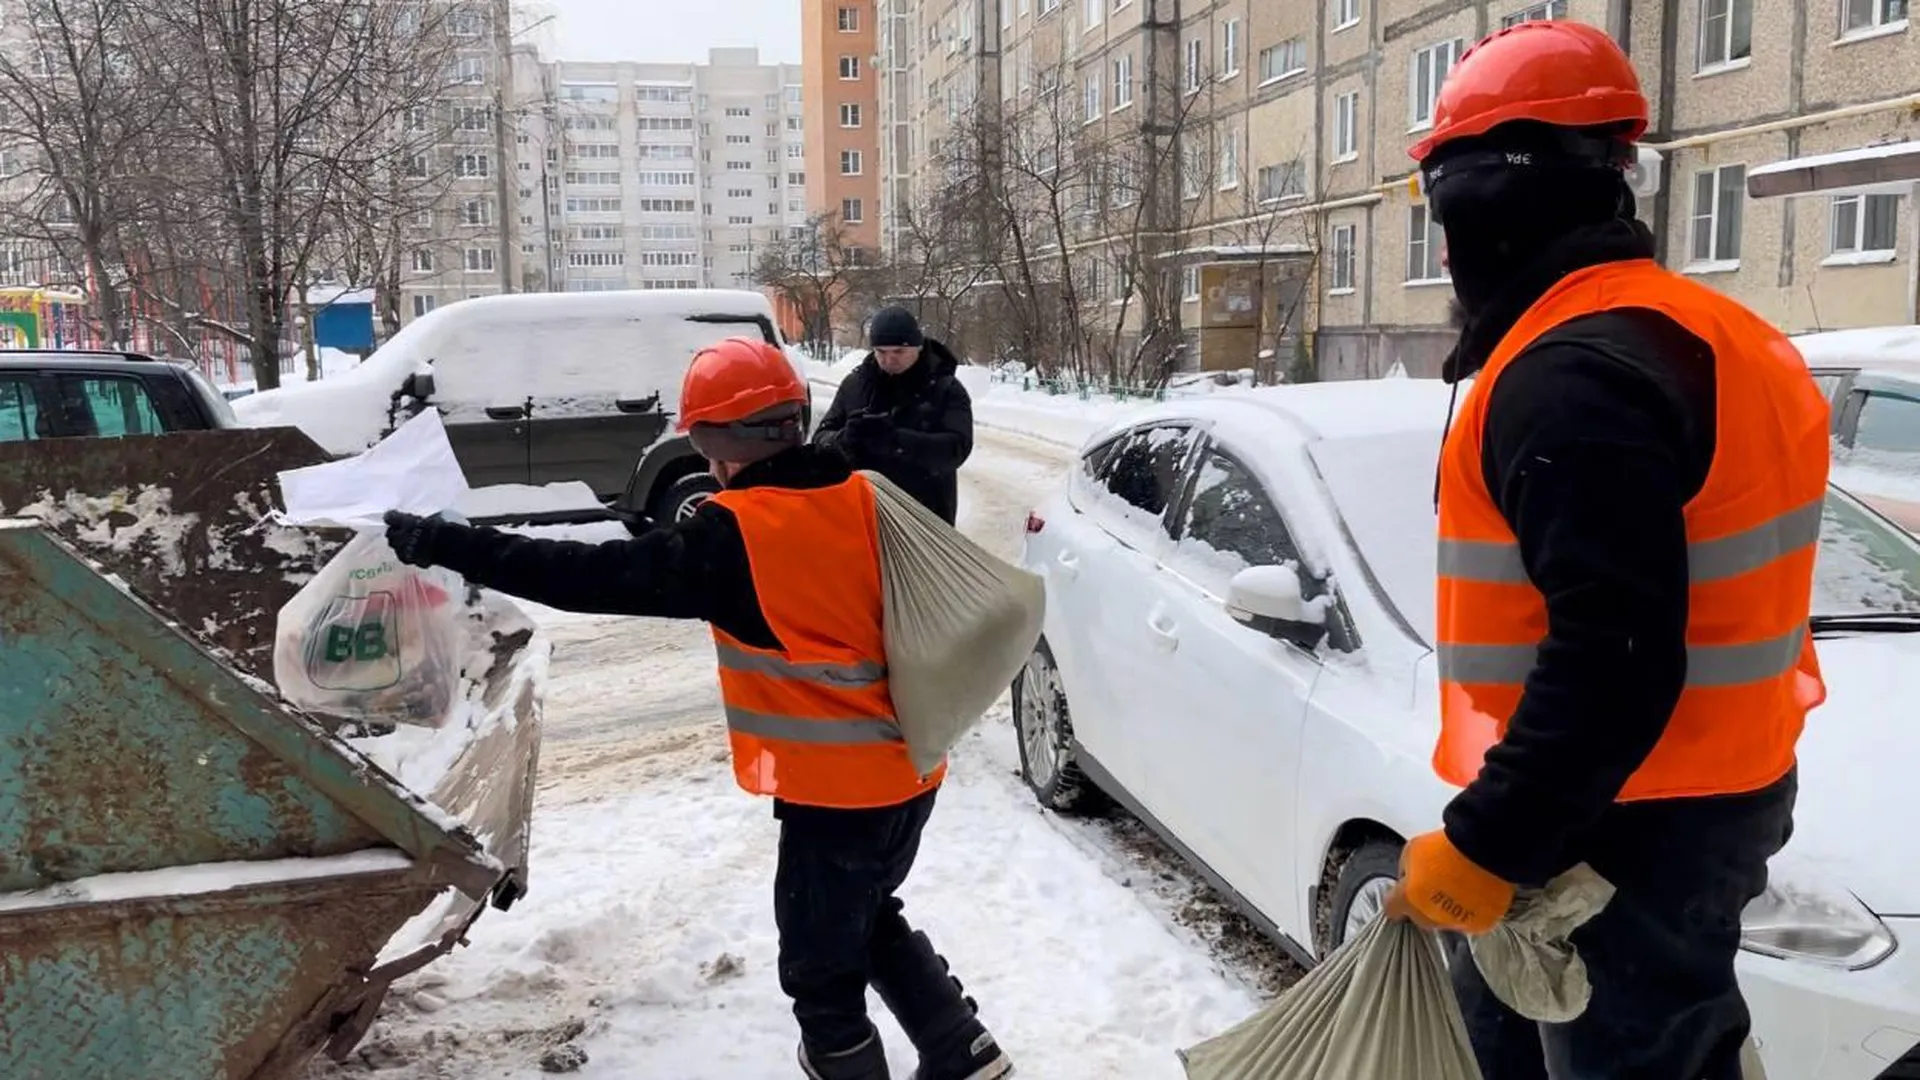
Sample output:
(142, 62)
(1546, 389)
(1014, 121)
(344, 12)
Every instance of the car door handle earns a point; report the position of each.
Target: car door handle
(1069, 564)
(506, 412)
(1166, 636)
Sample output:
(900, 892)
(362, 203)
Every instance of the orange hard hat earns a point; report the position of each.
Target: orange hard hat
(737, 378)
(1567, 74)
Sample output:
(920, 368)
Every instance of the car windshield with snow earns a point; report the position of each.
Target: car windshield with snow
(1238, 649)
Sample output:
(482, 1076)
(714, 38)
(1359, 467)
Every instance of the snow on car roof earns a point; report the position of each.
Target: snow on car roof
(1318, 412)
(1874, 346)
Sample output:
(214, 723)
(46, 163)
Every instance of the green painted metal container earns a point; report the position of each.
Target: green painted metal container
(195, 882)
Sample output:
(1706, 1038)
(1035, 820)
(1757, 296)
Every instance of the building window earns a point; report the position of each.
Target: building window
(1094, 10)
(471, 166)
(849, 68)
(1726, 32)
(479, 260)
(424, 304)
(1864, 225)
(739, 166)
(1279, 61)
(469, 118)
(1425, 72)
(1283, 181)
(1123, 81)
(1858, 15)
(1091, 111)
(422, 261)
(1193, 172)
(1346, 126)
(417, 167)
(465, 24)
(1345, 13)
(850, 163)
(1230, 48)
(1340, 263)
(476, 212)
(850, 114)
(796, 179)
(1190, 283)
(470, 70)
(851, 211)
(849, 20)
(1229, 158)
(739, 140)
(1717, 198)
(739, 193)
(1425, 242)
(1552, 9)
(1193, 74)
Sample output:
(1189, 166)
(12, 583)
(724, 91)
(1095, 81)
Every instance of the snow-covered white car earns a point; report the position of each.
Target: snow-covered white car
(1240, 611)
(1872, 380)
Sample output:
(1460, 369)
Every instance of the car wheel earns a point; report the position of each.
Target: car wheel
(678, 500)
(1045, 729)
(1360, 883)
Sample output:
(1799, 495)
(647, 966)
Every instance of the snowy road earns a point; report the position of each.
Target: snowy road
(648, 941)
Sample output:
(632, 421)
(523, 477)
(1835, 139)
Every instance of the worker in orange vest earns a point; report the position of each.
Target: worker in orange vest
(784, 562)
(1629, 503)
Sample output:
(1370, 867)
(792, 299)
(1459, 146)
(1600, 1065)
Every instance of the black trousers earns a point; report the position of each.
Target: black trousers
(1660, 956)
(835, 906)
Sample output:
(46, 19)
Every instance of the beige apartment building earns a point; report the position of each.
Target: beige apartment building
(842, 110)
(1291, 122)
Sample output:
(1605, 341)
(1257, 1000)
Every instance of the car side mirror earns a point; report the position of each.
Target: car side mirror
(1268, 599)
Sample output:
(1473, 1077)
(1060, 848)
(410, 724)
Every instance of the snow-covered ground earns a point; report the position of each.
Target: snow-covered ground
(648, 940)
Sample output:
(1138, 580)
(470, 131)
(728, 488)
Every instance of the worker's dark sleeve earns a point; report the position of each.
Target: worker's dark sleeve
(827, 431)
(692, 569)
(1588, 459)
(945, 448)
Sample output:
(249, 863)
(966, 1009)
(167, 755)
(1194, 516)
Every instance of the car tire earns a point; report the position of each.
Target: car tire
(678, 500)
(1356, 885)
(1044, 730)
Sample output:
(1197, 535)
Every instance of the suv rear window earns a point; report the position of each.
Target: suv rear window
(108, 406)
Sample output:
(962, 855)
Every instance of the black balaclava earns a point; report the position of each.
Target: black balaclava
(1505, 197)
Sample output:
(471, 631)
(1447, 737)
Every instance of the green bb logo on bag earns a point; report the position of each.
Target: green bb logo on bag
(355, 644)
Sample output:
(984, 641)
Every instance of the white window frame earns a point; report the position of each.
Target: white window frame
(1282, 58)
(1344, 14)
(1193, 66)
(1193, 166)
(423, 304)
(1723, 42)
(849, 68)
(853, 158)
(848, 20)
(476, 213)
(1715, 259)
(859, 211)
(1424, 94)
(483, 256)
(1229, 158)
(423, 261)
(1090, 107)
(1190, 283)
(1229, 49)
(849, 114)
(1295, 168)
(1851, 250)
(1122, 81)
(1879, 19)
(1092, 14)
(1546, 11)
(1343, 245)
(1430, 243)
(1346, 122)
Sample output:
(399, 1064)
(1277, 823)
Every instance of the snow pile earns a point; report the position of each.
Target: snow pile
(121, 521)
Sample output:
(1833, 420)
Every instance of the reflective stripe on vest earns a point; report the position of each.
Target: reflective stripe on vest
(813, 722)
(1752, 534)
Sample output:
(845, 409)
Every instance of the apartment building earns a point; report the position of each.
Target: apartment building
(842, 115)
(651, 176)
(1292, 121)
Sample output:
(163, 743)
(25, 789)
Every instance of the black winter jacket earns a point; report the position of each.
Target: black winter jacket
(1597, 436)
(931, 419)
(691, 569)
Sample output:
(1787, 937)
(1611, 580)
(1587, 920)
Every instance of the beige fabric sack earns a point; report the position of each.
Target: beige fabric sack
(959, 623)
(1382, 1007)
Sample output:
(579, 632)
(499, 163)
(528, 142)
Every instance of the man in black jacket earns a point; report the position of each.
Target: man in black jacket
(1598, 437)
(902, 413)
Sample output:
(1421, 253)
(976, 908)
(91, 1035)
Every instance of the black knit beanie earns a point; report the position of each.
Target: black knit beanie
(893, 326)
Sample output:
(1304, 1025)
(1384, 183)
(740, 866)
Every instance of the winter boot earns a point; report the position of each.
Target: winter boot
(914, 983)
(868, 1061)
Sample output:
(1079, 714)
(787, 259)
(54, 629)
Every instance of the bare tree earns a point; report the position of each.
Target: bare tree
(818, 271)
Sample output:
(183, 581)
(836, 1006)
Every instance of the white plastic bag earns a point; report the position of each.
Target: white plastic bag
(370, 638)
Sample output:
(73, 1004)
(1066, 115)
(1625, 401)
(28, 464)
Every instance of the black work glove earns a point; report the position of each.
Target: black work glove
(869, 435)
(411, 537)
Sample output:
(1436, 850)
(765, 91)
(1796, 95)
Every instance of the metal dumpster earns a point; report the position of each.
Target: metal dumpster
(197, 883)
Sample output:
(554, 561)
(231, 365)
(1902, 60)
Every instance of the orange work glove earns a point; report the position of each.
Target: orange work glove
(1441, 889)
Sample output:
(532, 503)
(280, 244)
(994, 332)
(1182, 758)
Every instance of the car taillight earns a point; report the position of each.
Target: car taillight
(1035, 523)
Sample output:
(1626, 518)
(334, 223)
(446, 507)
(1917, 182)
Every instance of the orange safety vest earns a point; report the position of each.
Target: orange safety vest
(1752, 533)
(813, 721)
